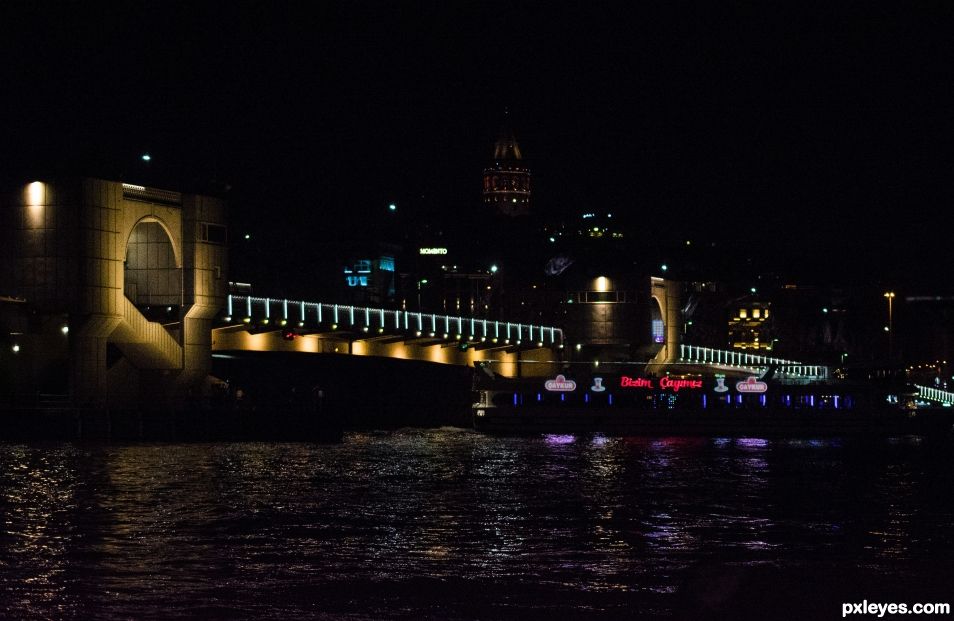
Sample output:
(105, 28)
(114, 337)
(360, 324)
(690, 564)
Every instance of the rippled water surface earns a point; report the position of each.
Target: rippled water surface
(450, 524)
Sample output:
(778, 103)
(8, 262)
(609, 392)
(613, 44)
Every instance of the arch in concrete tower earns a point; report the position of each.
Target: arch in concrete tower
(666, 295)
(152, 265)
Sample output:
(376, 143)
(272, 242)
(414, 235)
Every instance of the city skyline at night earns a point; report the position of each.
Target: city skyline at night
(496, 310)
(810, 139)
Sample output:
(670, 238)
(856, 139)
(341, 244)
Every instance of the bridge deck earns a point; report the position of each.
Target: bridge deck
(318, 315)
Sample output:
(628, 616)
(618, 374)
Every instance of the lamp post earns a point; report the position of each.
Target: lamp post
(890, 296)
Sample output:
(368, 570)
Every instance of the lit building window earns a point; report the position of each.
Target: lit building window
(743, 313)
(756, 312)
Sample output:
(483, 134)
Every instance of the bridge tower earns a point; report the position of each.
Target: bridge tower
(117, 286)
(667, 298)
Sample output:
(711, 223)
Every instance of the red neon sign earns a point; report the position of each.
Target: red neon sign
(665, 383)
(639, 382)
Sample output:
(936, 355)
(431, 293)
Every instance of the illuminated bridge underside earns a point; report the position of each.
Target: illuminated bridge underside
(266, 324)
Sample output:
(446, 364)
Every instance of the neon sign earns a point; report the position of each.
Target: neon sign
(639, 382)
(665, 383)
(433, 250)
(751, 385)
(560, 384)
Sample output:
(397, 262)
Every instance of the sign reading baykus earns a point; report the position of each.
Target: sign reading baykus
(560, 384)
(752, 384)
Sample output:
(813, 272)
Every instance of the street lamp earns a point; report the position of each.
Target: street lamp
(890, 296)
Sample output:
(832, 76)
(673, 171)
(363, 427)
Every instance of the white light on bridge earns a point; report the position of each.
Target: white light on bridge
(65, 329)
(146, 157)
(16, 349)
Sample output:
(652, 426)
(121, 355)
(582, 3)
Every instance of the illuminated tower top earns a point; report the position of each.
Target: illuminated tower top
(507, 180)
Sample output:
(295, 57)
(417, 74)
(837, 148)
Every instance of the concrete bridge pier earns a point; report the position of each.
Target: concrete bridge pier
(134, 275)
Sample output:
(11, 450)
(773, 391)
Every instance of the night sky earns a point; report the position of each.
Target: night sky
(821, 133)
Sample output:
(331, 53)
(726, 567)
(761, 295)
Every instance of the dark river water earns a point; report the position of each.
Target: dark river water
(449, 524)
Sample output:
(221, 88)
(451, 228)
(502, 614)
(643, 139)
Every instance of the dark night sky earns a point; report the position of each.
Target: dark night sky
(826, 131)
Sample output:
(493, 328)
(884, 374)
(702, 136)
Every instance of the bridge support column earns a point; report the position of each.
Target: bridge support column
(88, 365)
(204, 288)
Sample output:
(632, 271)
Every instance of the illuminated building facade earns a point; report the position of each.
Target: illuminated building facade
(369, 277)
(750, 327)
(507, 180)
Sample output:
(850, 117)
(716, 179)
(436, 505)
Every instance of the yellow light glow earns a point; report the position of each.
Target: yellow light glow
(35, 194)
(35, 198)
(602, 283)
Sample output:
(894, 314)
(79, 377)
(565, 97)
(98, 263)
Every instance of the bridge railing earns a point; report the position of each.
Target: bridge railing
(303, 314)
(935, 394)
(723, 357)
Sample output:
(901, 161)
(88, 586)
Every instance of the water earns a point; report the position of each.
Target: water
(449, 524)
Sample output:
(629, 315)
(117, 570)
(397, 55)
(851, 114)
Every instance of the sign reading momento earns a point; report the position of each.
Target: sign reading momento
(751, 385)
(433, 250)
(665, 383)
(560, 384)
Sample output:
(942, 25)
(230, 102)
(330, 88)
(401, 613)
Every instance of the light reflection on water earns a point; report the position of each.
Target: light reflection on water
(445, 523)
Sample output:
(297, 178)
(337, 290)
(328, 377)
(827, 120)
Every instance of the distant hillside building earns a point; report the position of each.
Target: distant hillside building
(507, 180)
